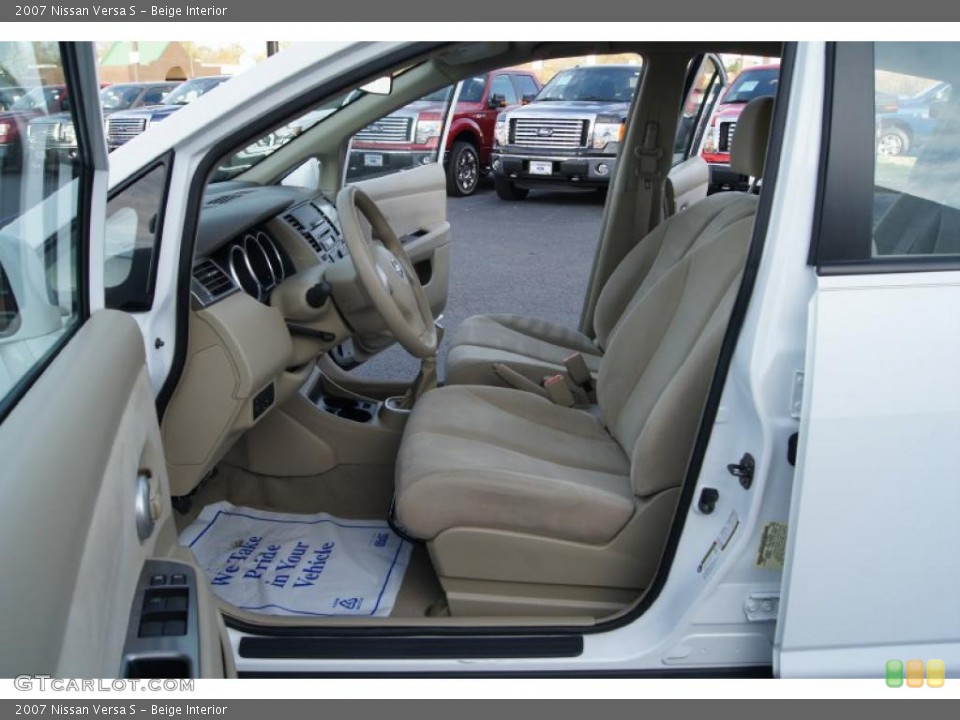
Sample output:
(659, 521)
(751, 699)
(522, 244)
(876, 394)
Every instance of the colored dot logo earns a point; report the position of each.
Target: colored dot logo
(913, 672)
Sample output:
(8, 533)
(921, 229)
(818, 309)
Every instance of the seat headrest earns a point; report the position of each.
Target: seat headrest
(748, 152)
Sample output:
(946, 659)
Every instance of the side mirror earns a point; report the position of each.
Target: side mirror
(497, 101)
(527, 99)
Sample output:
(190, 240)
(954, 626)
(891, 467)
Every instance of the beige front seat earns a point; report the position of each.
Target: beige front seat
(532, 508)
(535, 348)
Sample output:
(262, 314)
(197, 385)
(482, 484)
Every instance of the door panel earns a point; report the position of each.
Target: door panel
(415, 204)
(73, 445)
(83, 468)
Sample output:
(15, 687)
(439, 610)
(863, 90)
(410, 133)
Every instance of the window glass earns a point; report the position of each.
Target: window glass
(472, 90)
(131, 236)
(502, 87)
(39, 203)
(118, 98)
(696, 108)
(917, 139)
(598, 83)
(275, 139)
(154, 95)
(527, 86)
(406, 138)
(753, 83)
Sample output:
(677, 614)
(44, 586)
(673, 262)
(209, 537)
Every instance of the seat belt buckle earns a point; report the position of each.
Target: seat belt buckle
(579, 372)
(558, 390)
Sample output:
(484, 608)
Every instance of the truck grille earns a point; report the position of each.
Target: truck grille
(120, 130)
(388, 129)
(726, 136)
(548, 132)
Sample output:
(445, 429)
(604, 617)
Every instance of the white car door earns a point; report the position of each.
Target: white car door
(87, 512)
(870, 583)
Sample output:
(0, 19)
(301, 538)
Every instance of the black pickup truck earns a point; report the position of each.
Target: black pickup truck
(569, 135)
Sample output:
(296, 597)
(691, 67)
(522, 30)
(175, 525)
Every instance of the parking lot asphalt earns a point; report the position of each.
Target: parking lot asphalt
(531, 257)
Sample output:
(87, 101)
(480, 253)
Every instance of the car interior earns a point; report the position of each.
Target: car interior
(535, 478)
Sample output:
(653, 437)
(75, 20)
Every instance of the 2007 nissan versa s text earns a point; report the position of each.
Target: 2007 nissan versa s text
(743, 460)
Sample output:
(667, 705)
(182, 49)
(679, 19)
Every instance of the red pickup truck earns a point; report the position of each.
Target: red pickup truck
(410, 136)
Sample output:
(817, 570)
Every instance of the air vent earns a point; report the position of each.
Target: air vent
(210, 283)
(304, 233)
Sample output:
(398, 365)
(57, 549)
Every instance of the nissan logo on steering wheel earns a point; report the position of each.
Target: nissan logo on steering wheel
(398, 267)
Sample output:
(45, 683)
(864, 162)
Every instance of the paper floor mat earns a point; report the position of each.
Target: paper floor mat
(305, 565)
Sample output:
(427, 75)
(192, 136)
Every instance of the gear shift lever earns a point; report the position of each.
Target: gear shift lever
(427, 377)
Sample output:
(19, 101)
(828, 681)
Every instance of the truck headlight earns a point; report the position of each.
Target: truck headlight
(427, 130)
(68, 134)
(608, 129)
(500, 132)
(710, 141)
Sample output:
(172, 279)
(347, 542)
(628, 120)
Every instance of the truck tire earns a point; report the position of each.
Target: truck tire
(893, 142)
(507, 190)
(463, 170)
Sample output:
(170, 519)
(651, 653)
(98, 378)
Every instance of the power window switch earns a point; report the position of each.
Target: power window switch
(158, 579)
(151, 629)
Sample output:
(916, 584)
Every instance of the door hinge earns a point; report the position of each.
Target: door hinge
(762, 606)
(743, 470)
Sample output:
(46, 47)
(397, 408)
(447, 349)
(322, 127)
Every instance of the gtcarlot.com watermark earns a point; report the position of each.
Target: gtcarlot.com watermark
(47, 683)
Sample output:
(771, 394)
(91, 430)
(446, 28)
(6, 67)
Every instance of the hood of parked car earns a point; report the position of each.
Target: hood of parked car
(149, 112)
(577, 108)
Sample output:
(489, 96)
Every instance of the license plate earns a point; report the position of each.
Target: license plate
(541, 168)
(373, 160)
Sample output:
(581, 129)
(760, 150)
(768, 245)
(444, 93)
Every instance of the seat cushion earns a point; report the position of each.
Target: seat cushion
(499, 458)
(534, 348)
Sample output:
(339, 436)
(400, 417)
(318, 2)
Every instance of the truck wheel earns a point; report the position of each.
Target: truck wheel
(893, 142)
(507, 190)
(463, 170)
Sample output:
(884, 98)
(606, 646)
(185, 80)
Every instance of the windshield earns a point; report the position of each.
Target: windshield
(274, 140)
(752, 84)
(114, 98)
(598, 83)
(191, 90)
(40, 98)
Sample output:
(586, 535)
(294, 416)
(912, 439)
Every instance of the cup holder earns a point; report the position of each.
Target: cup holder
(356, 414)
(360, 411)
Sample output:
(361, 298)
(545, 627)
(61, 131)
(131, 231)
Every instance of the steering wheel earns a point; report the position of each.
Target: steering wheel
(385, 271)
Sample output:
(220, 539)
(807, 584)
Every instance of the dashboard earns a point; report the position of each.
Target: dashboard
(247, 353)
(252, 238)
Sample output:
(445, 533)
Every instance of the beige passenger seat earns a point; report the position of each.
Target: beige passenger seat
(531, 508)
(536, 348)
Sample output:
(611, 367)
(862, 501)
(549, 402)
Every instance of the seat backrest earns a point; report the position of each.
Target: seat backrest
(656, 372)
(686, 184)
(673, 238)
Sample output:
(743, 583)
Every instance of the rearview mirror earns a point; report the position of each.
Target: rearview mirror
(380, 86)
